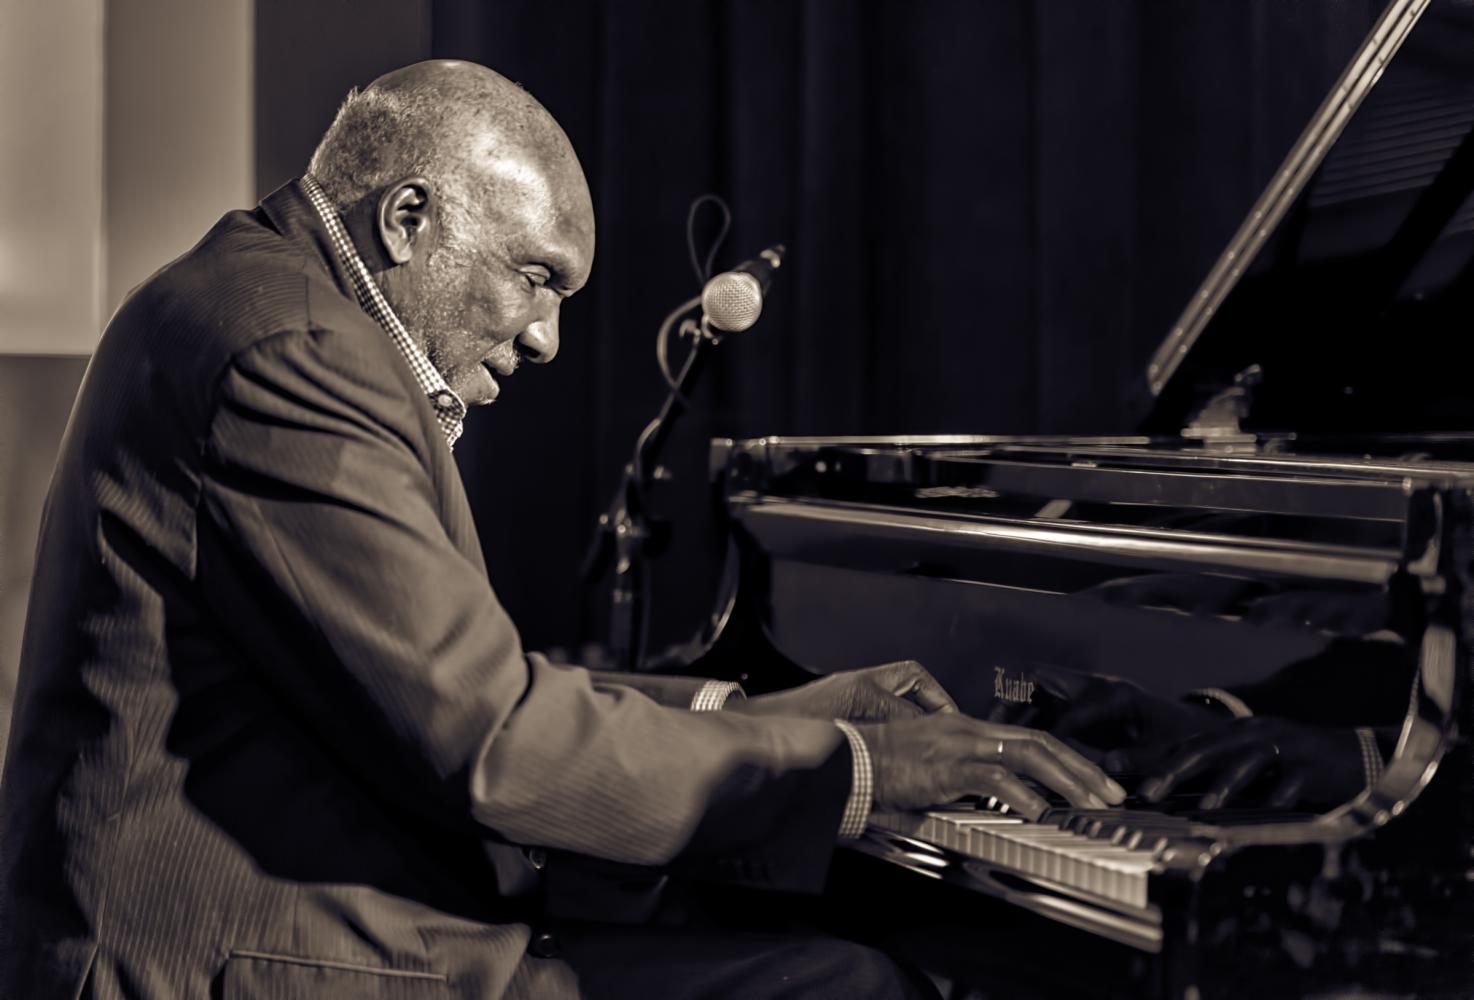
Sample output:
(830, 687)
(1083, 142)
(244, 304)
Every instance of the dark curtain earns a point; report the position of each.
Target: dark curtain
(994, 210)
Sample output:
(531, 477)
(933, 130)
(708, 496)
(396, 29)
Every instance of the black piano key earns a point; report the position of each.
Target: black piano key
(1145, 840)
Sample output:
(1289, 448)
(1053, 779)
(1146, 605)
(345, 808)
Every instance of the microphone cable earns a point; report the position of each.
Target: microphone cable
(702, 270)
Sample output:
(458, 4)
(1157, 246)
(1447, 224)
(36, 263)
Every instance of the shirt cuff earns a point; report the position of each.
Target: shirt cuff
(1371, 755)
(862, 785)
(713, 695)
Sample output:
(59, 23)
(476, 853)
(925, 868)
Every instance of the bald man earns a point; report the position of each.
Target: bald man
(274, 735)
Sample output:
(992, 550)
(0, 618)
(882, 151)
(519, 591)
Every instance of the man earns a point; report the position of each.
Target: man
(274, 734)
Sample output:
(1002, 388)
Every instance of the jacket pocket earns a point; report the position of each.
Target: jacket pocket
(258, 975)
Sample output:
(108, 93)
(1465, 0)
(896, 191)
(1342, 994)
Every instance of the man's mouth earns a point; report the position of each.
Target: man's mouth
(499, 366)
(494, 387)
(496, 369)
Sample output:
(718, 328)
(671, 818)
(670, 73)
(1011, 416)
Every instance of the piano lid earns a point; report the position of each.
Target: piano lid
(1344, 300)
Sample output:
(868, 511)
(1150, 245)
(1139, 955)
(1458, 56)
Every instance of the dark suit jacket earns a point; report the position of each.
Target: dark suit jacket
(270, 713)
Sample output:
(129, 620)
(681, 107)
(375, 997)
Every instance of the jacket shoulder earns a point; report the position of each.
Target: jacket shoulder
(242, 285)
(243, 281)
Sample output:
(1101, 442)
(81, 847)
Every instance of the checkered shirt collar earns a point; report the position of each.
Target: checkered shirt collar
(450, 409)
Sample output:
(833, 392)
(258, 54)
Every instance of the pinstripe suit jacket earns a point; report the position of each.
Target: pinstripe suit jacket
(274, 735)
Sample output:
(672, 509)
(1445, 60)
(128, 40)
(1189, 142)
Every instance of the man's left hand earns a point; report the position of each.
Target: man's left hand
(898, 690)
(1290, 763)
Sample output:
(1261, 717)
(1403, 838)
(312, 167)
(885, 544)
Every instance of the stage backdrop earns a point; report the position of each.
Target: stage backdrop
(993, 208)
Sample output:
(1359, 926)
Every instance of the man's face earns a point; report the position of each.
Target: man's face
(508, 254)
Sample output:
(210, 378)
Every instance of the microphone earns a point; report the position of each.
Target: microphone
(733, 300)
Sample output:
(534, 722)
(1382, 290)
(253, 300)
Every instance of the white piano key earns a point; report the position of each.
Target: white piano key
(1041, 850)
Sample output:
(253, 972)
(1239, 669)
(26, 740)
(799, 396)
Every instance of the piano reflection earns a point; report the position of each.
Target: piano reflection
(1281, 557)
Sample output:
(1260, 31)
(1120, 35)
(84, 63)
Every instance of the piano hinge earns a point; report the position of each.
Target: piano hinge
(1218, 422)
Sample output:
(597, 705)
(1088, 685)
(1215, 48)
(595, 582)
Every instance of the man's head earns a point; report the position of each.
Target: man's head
(479, 208)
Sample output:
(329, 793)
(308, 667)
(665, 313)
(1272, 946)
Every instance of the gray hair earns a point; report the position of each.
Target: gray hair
(438, 120)
(380, 135)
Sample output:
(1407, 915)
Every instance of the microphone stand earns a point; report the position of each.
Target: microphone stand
(626, 531)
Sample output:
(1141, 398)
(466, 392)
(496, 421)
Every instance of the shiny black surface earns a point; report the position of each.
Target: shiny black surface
(1356, 267)
(1003, 562)
(1295, 524)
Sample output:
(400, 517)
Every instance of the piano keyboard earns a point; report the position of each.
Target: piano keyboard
(1113, 868)
(1092, 868)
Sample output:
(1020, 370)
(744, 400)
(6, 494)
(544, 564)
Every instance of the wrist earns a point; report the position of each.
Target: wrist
(861, 799)
(717, 696)
(772, 703)
(1372, 762)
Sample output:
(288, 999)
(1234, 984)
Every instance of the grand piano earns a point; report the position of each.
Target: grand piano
(1296, 516)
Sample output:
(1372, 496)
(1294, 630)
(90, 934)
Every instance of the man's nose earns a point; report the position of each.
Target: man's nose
(539, 342)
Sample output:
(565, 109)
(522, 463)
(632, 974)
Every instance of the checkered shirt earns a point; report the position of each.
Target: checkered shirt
(1372, 765)
(862, 785)
(450, 409)
(712, 696)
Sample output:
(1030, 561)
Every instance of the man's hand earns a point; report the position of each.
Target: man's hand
(938, 759)
(1107, 713)
(1288, 763)
(1112, 713)
(1103, 713)
(900, 690)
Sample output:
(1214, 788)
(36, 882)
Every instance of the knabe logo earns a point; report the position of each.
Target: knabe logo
(1018, 690)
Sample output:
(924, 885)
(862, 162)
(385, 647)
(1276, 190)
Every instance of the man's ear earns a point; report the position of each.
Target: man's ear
(405, 220)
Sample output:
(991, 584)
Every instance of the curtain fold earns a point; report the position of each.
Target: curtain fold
(994, 209)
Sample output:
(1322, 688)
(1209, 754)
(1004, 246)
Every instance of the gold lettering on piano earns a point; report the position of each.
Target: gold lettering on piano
(1019, 690)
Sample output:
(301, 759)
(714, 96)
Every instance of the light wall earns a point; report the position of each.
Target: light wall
(51, 111)
(126, 129)
(178, 129)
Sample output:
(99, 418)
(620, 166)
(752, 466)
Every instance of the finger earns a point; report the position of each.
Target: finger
(914, 680)
(1158, 785)
(1191, 758)
(1095, 755)
(1137, 761)
(866, 700)
(1287, 793)
(998, 782)
(1236, 778)
(886, 707)
(1066, 685)
(1029, 757)
(1100, 783)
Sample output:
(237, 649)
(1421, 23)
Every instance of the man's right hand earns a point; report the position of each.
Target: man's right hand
(937, 759)
(1111, 714)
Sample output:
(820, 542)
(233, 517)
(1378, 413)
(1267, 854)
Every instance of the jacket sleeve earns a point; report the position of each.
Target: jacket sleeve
(322, 548)
(671, 691)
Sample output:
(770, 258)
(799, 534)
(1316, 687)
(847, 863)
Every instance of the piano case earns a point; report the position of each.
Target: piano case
(1295, 522)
